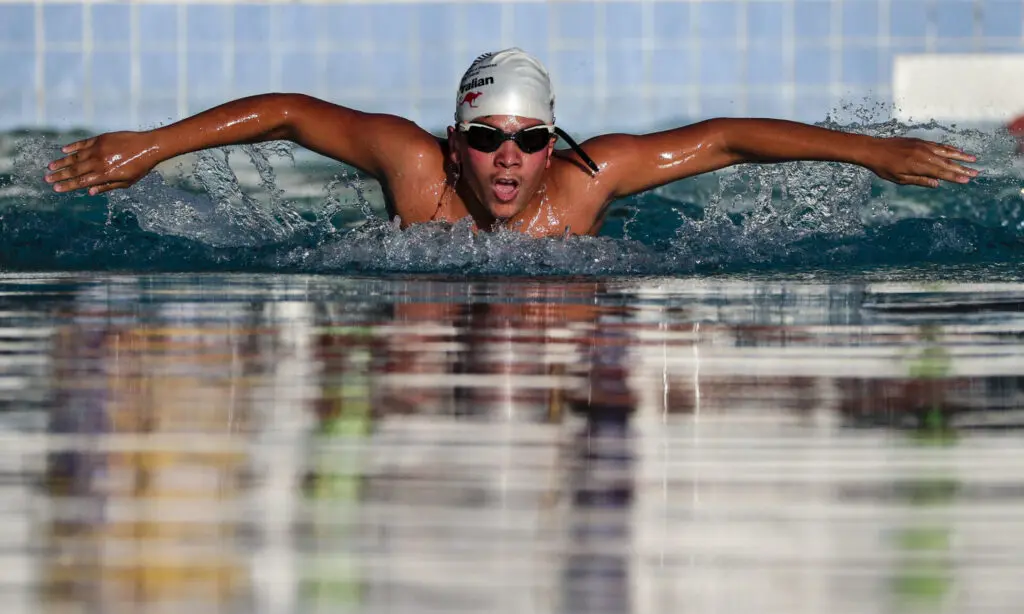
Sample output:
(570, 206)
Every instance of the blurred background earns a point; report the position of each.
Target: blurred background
(618, 65)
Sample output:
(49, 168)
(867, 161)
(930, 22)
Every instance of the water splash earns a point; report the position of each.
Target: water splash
(230, 211)
(217, 210)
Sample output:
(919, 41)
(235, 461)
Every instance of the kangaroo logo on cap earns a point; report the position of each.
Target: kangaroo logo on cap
(470, 98)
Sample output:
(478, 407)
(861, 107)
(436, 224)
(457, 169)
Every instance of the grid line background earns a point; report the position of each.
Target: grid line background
(617, 65)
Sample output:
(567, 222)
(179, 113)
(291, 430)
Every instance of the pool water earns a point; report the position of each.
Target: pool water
(791, 389)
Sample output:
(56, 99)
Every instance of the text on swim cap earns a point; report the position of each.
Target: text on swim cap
(475, 83)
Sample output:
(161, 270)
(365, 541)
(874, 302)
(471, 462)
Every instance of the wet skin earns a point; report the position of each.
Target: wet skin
(425, 178)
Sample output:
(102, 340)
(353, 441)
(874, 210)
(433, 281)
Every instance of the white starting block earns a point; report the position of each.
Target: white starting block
(980, 87)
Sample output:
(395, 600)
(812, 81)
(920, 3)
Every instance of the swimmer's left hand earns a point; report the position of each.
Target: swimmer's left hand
(911, 161)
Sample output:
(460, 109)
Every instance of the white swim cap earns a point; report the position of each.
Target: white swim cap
(507, 82)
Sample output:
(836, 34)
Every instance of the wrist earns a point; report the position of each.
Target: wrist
(862, 148)
(166, 142)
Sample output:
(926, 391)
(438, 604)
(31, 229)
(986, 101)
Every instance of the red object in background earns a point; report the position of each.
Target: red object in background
(1016, 128)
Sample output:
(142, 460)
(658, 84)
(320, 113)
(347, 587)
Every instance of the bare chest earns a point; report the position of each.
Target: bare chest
(570, 201)
(551, 213)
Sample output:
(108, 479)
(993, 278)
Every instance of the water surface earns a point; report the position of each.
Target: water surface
(299, 443)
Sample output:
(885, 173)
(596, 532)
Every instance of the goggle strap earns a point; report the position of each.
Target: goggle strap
(575, 147)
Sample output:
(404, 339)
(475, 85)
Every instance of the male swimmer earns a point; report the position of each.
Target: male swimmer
(498, 164)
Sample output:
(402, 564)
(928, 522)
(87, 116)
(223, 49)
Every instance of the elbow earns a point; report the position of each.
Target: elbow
(285, 112)
(722, 138)
(271, 116)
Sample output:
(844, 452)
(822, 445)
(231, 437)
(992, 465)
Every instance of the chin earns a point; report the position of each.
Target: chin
(503, 211)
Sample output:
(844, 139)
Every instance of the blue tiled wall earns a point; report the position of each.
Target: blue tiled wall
(617, 65)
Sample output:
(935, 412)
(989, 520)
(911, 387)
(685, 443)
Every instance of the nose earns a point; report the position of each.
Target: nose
(508, 155)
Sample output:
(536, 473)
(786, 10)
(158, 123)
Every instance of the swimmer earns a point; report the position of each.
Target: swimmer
(498, 163)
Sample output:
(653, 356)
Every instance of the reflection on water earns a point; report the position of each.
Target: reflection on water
(316, 444)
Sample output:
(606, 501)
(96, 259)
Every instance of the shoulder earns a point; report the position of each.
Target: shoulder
(414, 164)
(611, 153)
(414, 180)
(398, 137)
(403, 148)
(307, 106)
(379, 144)
(322, 115)
(584, 195)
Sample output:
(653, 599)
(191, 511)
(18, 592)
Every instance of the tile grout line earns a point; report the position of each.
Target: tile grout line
(883, 49)
(320, 52)
(836, 45)
(415, 92)
(181, 103)
(789, 57)
(228, 55)
(507, 25)
(275, 50)
(40, 72)
(135, 62)
(695, 51)
(647, 55)
(88, 95)
(743, 50)
(929, 31)
(601, 64)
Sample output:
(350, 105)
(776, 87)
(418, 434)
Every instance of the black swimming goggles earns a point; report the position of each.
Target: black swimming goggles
(530, 140)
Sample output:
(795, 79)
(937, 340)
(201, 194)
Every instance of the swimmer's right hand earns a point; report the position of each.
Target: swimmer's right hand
(105, 162)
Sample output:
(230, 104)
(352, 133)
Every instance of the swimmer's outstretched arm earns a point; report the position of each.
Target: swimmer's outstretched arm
(639, 162)
(373, 143)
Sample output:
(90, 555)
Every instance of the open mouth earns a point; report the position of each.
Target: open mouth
(505, 189)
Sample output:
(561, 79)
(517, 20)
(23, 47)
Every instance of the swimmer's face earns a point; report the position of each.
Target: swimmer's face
(504, 181)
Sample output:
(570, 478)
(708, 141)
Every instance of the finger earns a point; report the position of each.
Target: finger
(960, 170)
(106, 187)
(953, 153)
(925, 182)
(69, 160)
(61, 163)
(945, 169)
(71, 172)
(78, 183)
(952, 176)
(63, 173)
(77, 145)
